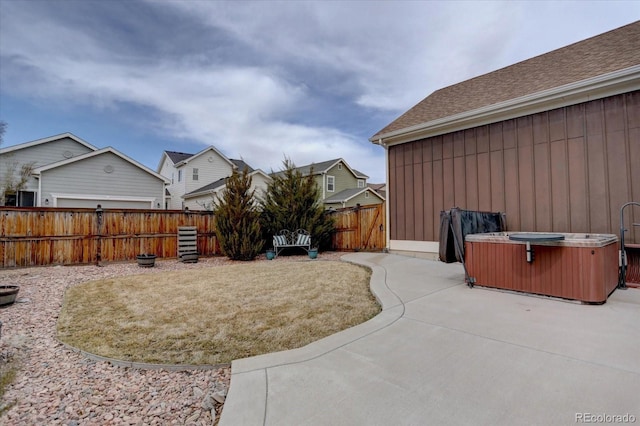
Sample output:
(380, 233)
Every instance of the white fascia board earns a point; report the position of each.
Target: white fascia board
(615, 83)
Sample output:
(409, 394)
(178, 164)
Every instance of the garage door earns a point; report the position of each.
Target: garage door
(106, 204)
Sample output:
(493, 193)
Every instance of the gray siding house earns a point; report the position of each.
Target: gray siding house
(65, 171)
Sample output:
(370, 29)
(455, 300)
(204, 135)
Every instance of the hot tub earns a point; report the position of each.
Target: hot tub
(580, 267)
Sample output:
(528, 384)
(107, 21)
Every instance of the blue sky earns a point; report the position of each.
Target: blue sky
(259, 80)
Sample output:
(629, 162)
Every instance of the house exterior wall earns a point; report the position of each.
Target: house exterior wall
(169, 171)
(90, 180)
(361, 199)
(344, 179)
(206, 201)
(41, 155)
(211, 167)
(565, 170)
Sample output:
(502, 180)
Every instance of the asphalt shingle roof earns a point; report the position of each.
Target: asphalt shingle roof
(241, 165)
(605, 53)
(177, 157)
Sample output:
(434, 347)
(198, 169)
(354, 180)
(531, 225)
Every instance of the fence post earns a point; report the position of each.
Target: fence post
(99, 213)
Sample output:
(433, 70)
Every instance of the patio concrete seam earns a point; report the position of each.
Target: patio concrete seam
(493, 339)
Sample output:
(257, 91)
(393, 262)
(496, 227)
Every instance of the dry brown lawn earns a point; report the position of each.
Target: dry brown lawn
(215, 315)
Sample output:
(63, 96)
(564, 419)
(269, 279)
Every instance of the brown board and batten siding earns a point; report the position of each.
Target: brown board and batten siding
(565, 170)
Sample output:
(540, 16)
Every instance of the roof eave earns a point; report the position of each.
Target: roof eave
(610, 84)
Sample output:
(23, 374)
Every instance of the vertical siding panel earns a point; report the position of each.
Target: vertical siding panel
(484, 182)
(418, 203)
(448, 187)
(438, 195)
(459, 173)
(458, 144)
(409, 209)
(482, 139)
(578, 191)
(560, 187)
(634, 160)
(512, 190)
(542, 187)
(619, 192)
(471, 169)
(526, 175)
(392, 196)
(418, 193)
(427, 187)
(616, 156)
(459, 183)
(430, 213)
(596, 169)
(471, 181)
(632, 101)
(557, 125)
(496, 180)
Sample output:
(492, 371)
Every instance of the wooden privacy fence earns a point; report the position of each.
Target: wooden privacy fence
(60, 236)
(360, 228)
(47, 236)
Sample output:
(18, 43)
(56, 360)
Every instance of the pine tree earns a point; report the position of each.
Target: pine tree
(292, 201)
(237, 219)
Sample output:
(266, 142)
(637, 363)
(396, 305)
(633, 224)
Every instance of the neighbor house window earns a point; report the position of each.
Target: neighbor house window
(339, 166)
(26, 199)
(195, 174)
(366, 195)
(179, 175)
(360, 183)
(331, 183)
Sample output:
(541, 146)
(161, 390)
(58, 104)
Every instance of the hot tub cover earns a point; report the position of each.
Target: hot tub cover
(456, 224)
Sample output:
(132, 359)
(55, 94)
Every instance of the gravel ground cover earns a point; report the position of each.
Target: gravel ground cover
(55, 385)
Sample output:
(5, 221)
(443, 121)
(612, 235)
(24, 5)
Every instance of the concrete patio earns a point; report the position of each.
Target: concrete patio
(441, 353)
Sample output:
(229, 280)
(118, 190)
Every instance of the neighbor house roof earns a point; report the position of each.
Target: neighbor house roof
(323, 167)
(347, 194)
(46, 140)
(584, 61)
(241, 165)
(177, 157)
(220, 183)
(108, 149)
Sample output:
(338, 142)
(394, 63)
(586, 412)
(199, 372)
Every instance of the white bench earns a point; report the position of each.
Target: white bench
(289, 239)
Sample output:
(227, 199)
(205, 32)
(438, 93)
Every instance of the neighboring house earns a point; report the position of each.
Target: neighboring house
(66, 171)
(380, 188)
(553, 141)
(340, 185)
(197, 179)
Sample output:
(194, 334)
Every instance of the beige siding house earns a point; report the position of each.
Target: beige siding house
(66, 171)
